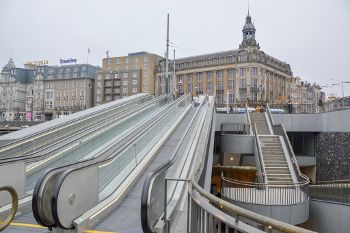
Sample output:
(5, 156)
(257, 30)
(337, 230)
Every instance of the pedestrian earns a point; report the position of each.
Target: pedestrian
(290, 107)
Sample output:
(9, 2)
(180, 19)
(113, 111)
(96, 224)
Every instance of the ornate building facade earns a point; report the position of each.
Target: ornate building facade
(236, 76)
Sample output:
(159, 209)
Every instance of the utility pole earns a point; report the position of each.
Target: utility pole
(174, 78)
(167, 59)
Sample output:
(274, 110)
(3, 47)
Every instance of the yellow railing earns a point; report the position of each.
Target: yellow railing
(9, 218)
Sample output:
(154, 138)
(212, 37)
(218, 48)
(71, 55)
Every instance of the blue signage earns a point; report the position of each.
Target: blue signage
(66, 61)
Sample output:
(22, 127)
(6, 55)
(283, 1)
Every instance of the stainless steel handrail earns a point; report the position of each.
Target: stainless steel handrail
(260, 154)
(337, 191)
(13, 210)
(264, 194)
(248, 120)
(270, 224)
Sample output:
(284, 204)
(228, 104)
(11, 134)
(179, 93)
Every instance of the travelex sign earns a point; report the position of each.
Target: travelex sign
(67, 61)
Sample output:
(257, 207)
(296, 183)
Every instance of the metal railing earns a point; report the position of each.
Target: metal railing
(337, 191)
(12, 213)
(264, 194)
(208, 213)
(248, 119)
(234, 128)
(261, 169)
(278, 129)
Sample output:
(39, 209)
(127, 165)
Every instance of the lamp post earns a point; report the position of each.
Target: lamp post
(342, 90)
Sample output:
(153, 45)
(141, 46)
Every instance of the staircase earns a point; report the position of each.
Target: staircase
(261, 123)
(276, 166)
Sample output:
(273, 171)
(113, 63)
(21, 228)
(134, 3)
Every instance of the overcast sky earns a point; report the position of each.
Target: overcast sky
(313, 36)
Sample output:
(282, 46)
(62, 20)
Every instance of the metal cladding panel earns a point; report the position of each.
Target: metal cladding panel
(78, 193)
(12, 174)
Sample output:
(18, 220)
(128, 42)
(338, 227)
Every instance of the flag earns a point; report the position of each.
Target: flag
(107, 53)
(88, 50)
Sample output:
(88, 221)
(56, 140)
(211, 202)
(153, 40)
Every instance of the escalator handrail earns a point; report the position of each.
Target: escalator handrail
(147, 186)
(95, 161)
(32, 156)
(74, 121)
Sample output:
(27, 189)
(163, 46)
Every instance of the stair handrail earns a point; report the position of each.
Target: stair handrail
(289, 148)
(260, 158)
(249, 123)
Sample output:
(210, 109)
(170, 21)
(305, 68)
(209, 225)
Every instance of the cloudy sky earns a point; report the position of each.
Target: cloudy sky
(313, 36)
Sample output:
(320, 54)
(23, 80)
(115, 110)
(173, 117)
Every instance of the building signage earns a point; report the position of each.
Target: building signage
(68, 61)
(36, 63)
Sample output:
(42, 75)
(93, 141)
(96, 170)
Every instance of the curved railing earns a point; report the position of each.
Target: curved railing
(280, 130)
(264, 194)
(337, 191)
(209, 213)
(13, 210)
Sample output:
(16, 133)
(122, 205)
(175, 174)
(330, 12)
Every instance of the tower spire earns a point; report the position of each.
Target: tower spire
(248, 7)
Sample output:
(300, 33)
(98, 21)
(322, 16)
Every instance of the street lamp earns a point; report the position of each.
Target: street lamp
(342, 90)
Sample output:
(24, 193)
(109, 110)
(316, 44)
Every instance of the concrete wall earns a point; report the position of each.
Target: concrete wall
(323, 122)
(328, 217)
(238, 144)
(332, 156)
(292, 214)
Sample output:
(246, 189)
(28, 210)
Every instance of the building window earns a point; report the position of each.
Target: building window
(117, 61)
(231, 98)
(254, 71)
(127, 67)
(82, 95)
(231, 73)
(134, 82)
(255, 82)
(125, 90)
(134, 74)
(209, 87)
(127, 60)
(109, 61)
(58, 95)
(220, 74)
(125, 83)
(49, 95)
(74, 95)
(108, 76)
(136, 67)
(220, 86)
(98, 98)
(199, 77)
(116, 76)
(136, 59)
(243, 83)
(242, 72)
(231, 84)
(209, 76)
(190, 88)
(189, 78)
(65, 84)
(134, 90)
(126, 75)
